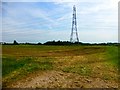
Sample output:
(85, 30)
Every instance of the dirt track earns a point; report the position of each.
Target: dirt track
(52, 79)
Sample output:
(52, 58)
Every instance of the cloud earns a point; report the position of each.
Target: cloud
(96, 36)
(40, 21)
(35, 35)
(28, 15)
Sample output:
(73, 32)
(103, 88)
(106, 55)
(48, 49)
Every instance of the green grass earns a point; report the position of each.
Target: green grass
(79, 69)
(28, 64)
(112, 55)
(14, 69)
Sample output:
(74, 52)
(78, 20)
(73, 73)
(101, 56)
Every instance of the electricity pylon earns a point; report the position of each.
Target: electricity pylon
(74, 34)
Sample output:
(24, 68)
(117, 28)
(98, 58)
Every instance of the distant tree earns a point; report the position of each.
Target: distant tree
(15, 42)
(39, 43)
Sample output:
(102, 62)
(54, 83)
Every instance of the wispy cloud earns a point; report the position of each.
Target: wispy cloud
(43, 21)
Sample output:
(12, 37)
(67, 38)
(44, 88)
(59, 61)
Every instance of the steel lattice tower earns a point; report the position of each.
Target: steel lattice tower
(74, 34)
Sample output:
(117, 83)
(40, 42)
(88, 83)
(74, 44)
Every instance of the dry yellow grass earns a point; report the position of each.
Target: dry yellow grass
(65, 66)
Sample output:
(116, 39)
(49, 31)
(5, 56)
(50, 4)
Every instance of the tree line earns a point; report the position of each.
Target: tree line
(58, 43)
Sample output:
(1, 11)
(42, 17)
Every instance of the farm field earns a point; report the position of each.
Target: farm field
(42, 66)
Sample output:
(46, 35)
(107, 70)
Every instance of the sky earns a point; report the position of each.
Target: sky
(46, 20)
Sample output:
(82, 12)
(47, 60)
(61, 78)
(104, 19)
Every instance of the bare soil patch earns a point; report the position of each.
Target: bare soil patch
(59, 79)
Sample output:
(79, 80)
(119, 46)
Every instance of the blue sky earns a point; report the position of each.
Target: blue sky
(38, 21)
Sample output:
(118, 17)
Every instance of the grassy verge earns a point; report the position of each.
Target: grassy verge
(14, 69)
(112, 55)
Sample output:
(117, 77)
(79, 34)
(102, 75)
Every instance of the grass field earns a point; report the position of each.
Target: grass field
(80, 66)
